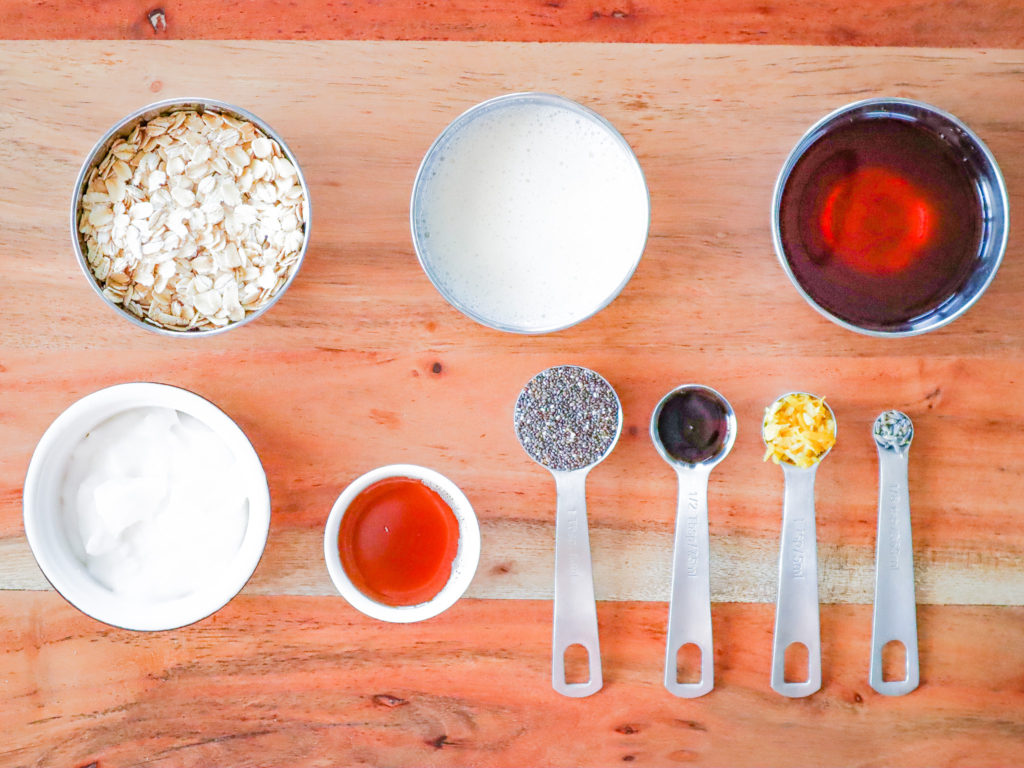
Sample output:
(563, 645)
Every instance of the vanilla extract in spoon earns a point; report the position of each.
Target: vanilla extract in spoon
(693, 428)
(693, 425)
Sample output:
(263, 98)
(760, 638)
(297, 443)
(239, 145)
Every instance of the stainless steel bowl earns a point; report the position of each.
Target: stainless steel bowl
(123, 128)
(437, 151)
(989, 184)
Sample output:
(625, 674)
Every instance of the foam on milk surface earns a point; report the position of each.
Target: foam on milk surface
(154, 503)
(532, 215)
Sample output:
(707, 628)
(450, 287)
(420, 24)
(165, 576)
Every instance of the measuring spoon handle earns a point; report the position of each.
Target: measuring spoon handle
(575, 609)
(796, 608)
(895, 611)
(689, 608)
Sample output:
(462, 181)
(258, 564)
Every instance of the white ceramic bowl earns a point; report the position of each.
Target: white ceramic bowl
(49, 541)
(463, 567)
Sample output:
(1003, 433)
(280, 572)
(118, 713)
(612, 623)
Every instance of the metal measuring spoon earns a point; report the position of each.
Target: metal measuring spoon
(693, 428)
(796, 606)
(568, 419)
(895, 612)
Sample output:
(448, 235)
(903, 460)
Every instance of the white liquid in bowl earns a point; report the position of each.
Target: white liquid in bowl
(531, 214)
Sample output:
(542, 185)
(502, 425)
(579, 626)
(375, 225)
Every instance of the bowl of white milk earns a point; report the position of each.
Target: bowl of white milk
(146, 506)
(529, 213)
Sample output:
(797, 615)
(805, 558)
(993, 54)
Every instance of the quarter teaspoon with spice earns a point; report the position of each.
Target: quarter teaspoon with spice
(893, 430)
(894, 618)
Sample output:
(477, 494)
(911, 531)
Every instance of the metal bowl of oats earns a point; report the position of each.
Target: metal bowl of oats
(190, 217)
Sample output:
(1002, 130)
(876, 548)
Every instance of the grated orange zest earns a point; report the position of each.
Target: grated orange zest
(798, 429)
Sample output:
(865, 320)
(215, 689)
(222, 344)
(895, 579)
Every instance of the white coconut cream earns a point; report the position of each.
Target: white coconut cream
(154, 503)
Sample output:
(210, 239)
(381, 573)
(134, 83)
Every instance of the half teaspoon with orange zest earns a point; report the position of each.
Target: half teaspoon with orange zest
(799, 430)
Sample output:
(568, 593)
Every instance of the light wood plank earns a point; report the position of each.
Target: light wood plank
(806, 22)
(312, 443)
(339, 378)
(308, 682)
(711, 125)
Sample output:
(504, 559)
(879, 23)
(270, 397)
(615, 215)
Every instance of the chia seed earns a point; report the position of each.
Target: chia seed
(894, 430)
(567, 418)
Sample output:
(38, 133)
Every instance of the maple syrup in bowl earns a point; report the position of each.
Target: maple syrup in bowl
(402, 543)
(890, 217)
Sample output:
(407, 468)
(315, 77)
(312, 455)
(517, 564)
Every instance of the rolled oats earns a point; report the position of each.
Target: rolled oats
(193, 221)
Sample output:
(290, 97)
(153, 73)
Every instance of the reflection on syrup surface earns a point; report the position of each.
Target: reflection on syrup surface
(880, 221)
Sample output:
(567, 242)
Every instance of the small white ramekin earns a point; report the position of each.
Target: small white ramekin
(48, 539)
(463, 567)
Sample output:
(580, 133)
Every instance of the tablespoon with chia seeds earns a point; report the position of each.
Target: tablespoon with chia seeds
(568, 419)
(796, 606)
(895, 612)
(693, 428)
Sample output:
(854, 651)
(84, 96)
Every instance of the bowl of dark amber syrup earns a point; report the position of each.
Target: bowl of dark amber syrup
(402, 543)
(890, 217)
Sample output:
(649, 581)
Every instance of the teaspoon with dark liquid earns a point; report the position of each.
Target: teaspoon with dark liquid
(693, 428)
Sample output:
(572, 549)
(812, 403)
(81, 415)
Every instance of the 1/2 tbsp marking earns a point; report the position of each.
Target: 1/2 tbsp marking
(692, 555)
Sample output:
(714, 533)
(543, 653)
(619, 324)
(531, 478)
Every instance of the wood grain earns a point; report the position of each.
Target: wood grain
(339, 376)
(971, 23)
(362, 363)
(308, 681)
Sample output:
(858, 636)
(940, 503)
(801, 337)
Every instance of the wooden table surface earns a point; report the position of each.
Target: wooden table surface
(362, 363)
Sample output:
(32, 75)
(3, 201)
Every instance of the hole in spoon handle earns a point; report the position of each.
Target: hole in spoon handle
(906, 681)
(703, 666)
(560, 674)
(811, 666)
